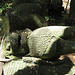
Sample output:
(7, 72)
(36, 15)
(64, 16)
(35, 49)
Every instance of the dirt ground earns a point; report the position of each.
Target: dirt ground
(70, 56)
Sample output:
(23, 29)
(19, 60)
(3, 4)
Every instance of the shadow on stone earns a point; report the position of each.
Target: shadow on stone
(46, 68)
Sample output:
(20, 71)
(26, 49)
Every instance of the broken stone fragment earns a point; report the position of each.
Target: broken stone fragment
(15, 43)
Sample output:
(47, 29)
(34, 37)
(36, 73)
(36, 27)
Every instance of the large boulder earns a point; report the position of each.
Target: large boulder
(26, 15)
(45, 42)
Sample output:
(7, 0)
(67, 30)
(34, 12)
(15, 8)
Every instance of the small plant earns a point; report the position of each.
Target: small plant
(5, 4)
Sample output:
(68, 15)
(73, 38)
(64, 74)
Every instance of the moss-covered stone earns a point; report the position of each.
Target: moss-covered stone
(26, 15)
(45, 42)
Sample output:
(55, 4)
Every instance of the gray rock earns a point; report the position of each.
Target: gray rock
(15, 43)
(45, 42)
